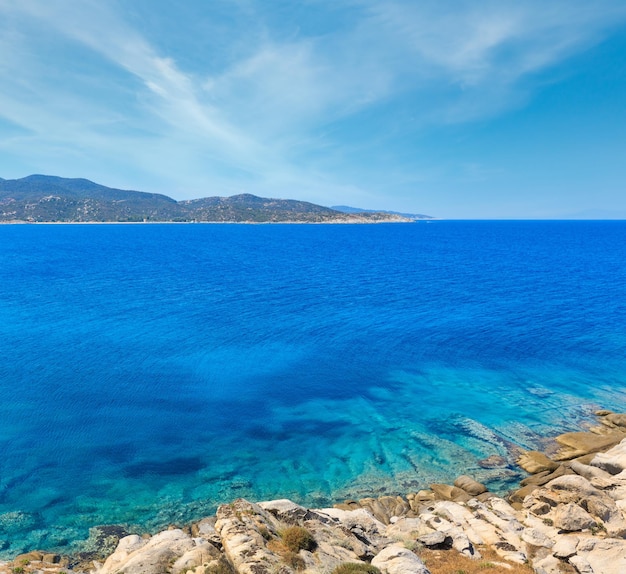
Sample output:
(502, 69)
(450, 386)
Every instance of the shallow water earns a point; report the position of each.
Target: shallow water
(150, 372)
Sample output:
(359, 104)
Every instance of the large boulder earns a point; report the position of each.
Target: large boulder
(607, 557)
(240, 526)
(135, 555)
(469, 485)
(361, 524)
(577, 444)
(571, 518)
(447, 492)
(396, 559)
(534, 461)
(613, 460)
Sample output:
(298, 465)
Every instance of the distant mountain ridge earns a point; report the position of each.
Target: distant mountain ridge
(45, 198)
(348, 209)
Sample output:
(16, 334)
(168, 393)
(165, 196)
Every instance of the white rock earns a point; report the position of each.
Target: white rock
(396, 559)
(572, 517)
(589, 472)
(613, 460)
(503, 509)
(583, 566)
(436, 522)
(565, 546)
(573, 483)
(461, 543)
(607, 557)
(130, 543)
(532, 521)
(487, 533)
(497, 514)
(137, 556)
(547, 565)
(452, 511)
(511, 555)
(586, 544)
(432, 539)
(280, 505)
(197, 556)
(351, 518)
(410, 528)
(535, 537)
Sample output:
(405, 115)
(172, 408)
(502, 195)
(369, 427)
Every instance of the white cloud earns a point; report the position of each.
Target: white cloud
(489, 48)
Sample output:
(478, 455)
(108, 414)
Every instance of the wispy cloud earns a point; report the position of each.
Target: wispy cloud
(488, 50)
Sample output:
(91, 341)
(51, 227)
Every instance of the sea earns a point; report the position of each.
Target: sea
(151, 372)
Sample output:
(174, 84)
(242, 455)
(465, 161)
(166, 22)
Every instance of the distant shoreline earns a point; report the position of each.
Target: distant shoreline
(351, 222)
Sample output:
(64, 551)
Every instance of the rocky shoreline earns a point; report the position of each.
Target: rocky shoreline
(568, 516)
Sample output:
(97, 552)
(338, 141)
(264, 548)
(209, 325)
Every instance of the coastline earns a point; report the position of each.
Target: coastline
(333, 222)
(576, 494)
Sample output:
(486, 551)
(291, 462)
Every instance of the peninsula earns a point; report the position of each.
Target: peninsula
(47, 199)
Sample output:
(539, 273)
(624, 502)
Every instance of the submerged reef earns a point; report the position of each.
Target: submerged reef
(567, 516)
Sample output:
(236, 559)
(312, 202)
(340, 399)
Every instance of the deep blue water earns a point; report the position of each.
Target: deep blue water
(150, 372)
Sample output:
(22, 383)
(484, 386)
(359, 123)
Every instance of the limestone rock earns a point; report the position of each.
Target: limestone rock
(361, 524)
(377, 508)
(462, 544)
(534, 461)
(33, 556)
(447, 492)
(238, 526)
(612, 461)
(396, 559)
(571, 517)
(521, 494)
(575, 444)
(290, 512)
(577, 486)
(582, 565)
(535, 537)
(386, 507)
(205, 528)
(565, 546)
(135, 555)
(615, 420)
(348, 505)
(408, 528)
(485, 533)
(548, 565)
(452, 511)
(469, 485)
(607, 557)
(536, 478)
(510, 552)
(589, 472)
(202, 553)
(546, 476)
(434, 539)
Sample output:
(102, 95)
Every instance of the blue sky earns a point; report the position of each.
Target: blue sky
(457, 109)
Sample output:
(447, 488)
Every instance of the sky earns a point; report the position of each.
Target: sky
(452, 108)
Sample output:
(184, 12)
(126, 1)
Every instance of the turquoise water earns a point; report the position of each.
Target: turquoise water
(151, 372)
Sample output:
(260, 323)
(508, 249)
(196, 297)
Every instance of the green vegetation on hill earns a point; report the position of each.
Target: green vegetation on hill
(42, 198)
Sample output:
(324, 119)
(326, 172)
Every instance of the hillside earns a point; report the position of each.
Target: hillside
(348, 209)
(43, 198)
